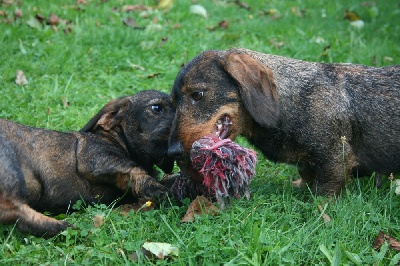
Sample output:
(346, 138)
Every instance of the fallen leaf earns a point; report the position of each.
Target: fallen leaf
(20, 78)
(98, 220)
(198, 10)
(161, 250)
(388, 59)
(223, 24)
(165, 4)
(242, 4)
(381, 238)
(33, 22)
(351, 15)
(3, 13)
(130, 22)
(18, 13)
(40, 18)
(298, 12)
(200, 205)
(65, 102)
(145, 253)
(53, 19)
(130, 8)
(7, 2)
(325, 216)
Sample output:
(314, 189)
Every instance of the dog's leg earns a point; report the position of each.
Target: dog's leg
(29, 220)
(307, 175)
(142, 184)
(333, 175)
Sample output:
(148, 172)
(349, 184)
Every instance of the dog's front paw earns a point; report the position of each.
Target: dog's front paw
(145, 186)
(153, 190)
(44, 226)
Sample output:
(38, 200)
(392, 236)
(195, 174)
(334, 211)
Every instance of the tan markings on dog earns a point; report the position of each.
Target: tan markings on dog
(197, 130)
(122, 181)
(138, 179)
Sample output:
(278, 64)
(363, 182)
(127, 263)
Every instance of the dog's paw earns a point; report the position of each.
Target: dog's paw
(46, 227)
(147, 187)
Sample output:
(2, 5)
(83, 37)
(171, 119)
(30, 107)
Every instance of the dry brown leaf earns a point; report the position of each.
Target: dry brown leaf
(130, 8)
(20, 78)
(3, 13)
(351, 15)
(242, 4)
(381, 238)
(53, 19)
(18, 14)
(200, 205)
(325, 216)
(130, 22)
(65, 102)
(98, 220)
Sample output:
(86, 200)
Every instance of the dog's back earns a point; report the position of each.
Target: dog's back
(331, 120)
(34, 154)
(358, 102)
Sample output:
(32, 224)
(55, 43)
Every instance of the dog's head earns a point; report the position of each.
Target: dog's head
(221, 93)
(142, 122)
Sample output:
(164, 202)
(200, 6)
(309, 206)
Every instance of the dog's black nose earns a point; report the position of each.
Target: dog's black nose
(175, 149)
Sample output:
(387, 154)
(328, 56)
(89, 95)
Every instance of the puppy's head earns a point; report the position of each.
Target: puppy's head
(142, 122)
(221, 93)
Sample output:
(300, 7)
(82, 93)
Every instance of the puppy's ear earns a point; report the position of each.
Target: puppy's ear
(257, 88)
(110, 115)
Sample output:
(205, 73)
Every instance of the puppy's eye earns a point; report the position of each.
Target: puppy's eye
(198, 95)
(157, 108)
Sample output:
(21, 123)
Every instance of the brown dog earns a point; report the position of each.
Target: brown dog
(47, 170)
(331, 120)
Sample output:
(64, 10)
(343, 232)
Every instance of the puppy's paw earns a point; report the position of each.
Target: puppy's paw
(45, 227)
(154, 190)
(147, 187)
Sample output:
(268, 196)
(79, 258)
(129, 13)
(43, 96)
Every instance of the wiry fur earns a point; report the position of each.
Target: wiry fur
(46, 170)
(295, 112)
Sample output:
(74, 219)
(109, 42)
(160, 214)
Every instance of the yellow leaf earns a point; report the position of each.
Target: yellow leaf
(165, 4)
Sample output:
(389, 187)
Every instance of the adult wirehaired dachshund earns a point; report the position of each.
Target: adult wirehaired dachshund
(331, 120)
(46, 170)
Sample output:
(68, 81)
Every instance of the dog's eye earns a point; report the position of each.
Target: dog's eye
(157, 108)
(198, 95)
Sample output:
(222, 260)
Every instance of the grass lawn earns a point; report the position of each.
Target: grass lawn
(98, 51)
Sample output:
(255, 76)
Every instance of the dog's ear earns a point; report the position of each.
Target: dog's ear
(257, 88)
(110, 115)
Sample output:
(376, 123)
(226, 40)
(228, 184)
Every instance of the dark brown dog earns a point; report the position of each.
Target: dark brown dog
(47, 170)
(332, 120)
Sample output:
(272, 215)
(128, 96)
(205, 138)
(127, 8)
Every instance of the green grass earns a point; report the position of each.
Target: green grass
(98, 61)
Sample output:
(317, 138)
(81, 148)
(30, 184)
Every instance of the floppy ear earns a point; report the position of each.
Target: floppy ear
(257, 88)
(109, 116)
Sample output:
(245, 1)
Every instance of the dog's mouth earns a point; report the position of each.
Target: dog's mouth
(223, 127)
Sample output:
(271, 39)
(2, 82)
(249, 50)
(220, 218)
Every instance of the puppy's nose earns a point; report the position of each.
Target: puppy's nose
(175, 149)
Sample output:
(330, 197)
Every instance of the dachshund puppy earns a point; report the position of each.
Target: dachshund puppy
(46, 170)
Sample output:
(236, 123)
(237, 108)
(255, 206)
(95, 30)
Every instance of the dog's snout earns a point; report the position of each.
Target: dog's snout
(175, 149)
